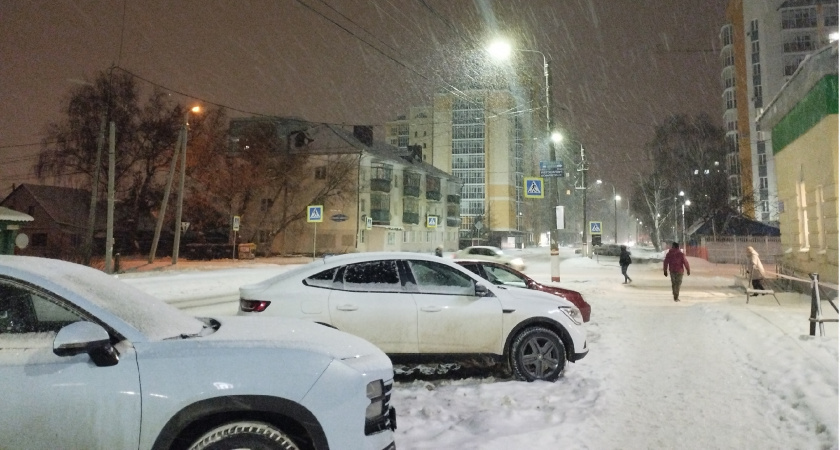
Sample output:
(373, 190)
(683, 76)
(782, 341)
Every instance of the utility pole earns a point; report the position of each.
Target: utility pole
(583, 168)
(109, 233)
(177, 238)
(94, 192)
(162, 213)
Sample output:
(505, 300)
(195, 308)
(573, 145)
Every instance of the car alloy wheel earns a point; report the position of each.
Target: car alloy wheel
(537, 353)
(251, 435)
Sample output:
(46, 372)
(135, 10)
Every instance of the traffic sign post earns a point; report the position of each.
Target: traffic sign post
(534, 187)
(314, 214)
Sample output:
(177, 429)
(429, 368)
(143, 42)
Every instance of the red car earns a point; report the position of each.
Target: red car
(500, 274)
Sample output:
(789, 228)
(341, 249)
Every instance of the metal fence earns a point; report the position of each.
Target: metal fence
(732, 249)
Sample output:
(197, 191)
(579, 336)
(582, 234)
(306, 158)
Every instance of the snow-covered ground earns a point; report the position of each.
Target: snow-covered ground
(709, 372)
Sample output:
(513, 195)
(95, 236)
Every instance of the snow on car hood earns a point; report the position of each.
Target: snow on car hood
(517, 294)
(292, 334)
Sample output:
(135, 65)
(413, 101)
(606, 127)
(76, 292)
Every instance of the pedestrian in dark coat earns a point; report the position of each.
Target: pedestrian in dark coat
(676, 262)
(624, 261)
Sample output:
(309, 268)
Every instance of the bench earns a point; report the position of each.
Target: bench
(751, 292)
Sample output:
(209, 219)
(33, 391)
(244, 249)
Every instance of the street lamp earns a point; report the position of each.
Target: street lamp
(501, 49)
(676, 225)
(686, 203)
(616, 199)
(177, 240)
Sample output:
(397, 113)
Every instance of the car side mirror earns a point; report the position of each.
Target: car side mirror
(86, 337)
(482, 291)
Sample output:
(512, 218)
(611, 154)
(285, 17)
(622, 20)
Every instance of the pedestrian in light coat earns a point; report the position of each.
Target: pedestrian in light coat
(676, 262)
(756, 269)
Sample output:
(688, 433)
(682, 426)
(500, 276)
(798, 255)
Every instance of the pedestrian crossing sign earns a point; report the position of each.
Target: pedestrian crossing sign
(594, 227)
(534, 187)
(315, 213)
(431, 221)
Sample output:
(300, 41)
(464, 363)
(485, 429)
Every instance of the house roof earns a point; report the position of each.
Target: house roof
(64, 205)
(10, 215)
(732, 223)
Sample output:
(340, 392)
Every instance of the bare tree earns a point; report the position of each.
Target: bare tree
(651, 200)
(146, 134)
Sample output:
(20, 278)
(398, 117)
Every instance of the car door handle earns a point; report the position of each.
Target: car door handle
(431, 309)
(346, 307)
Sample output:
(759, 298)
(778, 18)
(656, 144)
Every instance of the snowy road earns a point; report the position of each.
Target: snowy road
(710, 372)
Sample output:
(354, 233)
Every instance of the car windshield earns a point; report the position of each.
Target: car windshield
(150, 316)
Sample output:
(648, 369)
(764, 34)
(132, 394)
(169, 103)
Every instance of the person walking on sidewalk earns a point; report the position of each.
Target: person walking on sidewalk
(675, 262)
(757, 273)
(624, 261)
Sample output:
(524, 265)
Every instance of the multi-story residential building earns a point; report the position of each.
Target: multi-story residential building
(393, 202)
(763, 43)
(473, 135)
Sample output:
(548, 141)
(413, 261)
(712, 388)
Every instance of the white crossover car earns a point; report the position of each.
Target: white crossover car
(490, 253)
(87, 361)
(415, 305)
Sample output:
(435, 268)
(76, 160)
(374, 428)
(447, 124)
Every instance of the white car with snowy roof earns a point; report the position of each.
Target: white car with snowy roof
(419, 307)
(88, 361)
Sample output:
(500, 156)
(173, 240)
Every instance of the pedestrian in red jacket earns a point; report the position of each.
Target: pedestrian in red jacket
(675, 261)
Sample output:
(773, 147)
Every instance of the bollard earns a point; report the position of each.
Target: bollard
(816, 308)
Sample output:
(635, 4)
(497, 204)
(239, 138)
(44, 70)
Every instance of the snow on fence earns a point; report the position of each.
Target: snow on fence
(731, 249)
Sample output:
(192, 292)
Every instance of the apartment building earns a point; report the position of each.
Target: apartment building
(393, 200)
(478, 137)
(763, 44)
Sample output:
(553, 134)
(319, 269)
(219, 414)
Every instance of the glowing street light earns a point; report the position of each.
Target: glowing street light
(177, 238)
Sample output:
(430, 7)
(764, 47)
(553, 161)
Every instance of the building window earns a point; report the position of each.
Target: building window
(802, 207)
(800, 43)
(799, 18)
(792, 63)
(320, 173)
(362, 236)
(39, 239)
(266, 204)
(362, 205)
(391, 238)
(819, 204)
(30, 210)
(406, 237)
(729, 99)
(830, 14)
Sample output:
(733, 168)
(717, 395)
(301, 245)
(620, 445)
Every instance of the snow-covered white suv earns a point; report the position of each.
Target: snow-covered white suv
(422, 307)
(87, 361)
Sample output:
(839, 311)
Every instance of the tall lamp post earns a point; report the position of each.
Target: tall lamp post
(501, 49)
(616, 199)
(177, 238)
(676, 225)
(686, 203)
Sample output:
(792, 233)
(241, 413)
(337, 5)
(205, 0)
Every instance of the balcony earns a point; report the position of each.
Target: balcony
(380, 185)
(433, 195)
(381, 216)
(410, 217)
(411, 191)
(455, 199)
(453, 221)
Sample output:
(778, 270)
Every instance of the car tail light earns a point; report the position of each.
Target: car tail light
(253, 305)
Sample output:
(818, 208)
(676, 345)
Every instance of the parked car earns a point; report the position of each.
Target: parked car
(421, 307)
(88, 361)
(607, 250)
(502, 275)
(489, 253)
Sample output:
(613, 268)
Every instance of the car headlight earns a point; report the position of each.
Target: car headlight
(517, 262)
(572, 313)
(378, 415)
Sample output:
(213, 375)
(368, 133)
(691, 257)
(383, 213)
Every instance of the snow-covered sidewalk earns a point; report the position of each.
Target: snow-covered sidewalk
(708, 372)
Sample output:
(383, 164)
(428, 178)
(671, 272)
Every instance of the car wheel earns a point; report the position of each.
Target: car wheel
(251, 435)
(537, 353)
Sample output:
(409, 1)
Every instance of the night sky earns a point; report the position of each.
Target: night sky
(619, 67)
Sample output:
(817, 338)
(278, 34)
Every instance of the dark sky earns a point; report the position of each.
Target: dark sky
(619, 67)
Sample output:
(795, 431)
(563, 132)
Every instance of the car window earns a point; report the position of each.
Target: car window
(372, 276)
(436, 278)
(322, 279)
(473, 268)
(474, 251)
(26, 311)
(505, 276)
